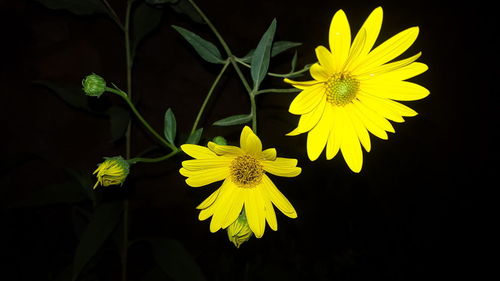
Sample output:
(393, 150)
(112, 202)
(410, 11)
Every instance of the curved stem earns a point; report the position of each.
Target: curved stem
(240, 74)
(204, 104)
(291, 90)
(280, 75)
(113, 15)
(152, 160)
(128, 133)
(141, 119)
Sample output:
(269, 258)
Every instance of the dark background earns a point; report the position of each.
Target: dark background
(415, 212)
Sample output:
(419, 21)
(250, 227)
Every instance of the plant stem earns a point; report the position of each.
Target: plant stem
(113, 15)
(280, 75)
(253, 111)
(141, 119)
(204, 104)
(152, 160)
(128, 134)
(291, 90)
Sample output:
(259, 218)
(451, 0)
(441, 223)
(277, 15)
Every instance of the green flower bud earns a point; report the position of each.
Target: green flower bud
(220, 140)
(239, 231)
(114, 170)
(94, 85)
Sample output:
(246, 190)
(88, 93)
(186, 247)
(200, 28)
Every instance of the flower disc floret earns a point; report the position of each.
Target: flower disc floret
(246, 171)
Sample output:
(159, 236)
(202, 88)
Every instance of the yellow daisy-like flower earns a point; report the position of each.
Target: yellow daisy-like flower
(114, 170)
(246, 184)
(354, 89)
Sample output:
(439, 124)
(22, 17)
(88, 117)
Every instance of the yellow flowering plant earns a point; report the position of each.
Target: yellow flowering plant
(353, 92)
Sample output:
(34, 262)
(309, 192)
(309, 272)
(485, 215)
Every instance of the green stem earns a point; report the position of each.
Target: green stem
(128, 133)
(152, 160)
(253, 111)
(141, 119)
(291, 90)
(280, 75)
(113, 14)
(204, 104)
(223, 43)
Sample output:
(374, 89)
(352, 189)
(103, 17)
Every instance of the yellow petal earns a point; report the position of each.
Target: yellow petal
(378, 120)
(360, 129)
(249, 142)
(326, 59)
(382, 70)
(222, 205)
(301, 84)
(307, 100)
(235, 208)
(317, 137)
(269, 154)
(334, 138)
(406, 72)
(279, 200)
(209, 200)
(376, 105)
(283, 167)
(364, 117)
(339, 39)
(395, 90)
(207, 176)
(201, 164)
(255, 211)
(319, 73)
(356, 49)
(228, 150)
(270, 214)
(197, 151)
(209, 210)
(309, 120)
(350, 147)
(388, 50)
(372, 26)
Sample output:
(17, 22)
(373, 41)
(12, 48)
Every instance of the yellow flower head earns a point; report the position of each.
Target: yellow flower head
(245, 186)
(114, 170)
(239, 231)
(354, 89)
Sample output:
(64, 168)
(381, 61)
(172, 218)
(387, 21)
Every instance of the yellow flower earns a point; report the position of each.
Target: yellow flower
(114, 170)
(239, 231)
(245, 182)
(354, 89)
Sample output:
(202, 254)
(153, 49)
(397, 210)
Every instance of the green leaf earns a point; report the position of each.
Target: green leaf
(119, 119)
(294, 61)
(204, 48)
(74, 96)
(278, 48)
(195, 137)
(175, 260)
(144, 20)
(102, 223)
(184, 7)
(234, 120)
(170, 126)
(261, 57)
(78, 7)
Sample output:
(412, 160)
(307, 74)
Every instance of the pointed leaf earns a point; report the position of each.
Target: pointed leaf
(145, 19)
(170, 126)
(234, 120)
(175, 260)
(102, 223)
(294, 61)
(195, 137)
(261, 57)
(78, 7)
(204, 48)
(278, 48)
(119, 119)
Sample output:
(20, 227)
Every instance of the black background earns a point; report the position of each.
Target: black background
(415, 212)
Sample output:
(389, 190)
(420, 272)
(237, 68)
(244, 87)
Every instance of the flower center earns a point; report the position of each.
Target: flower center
(246, 171)
(341, 89)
